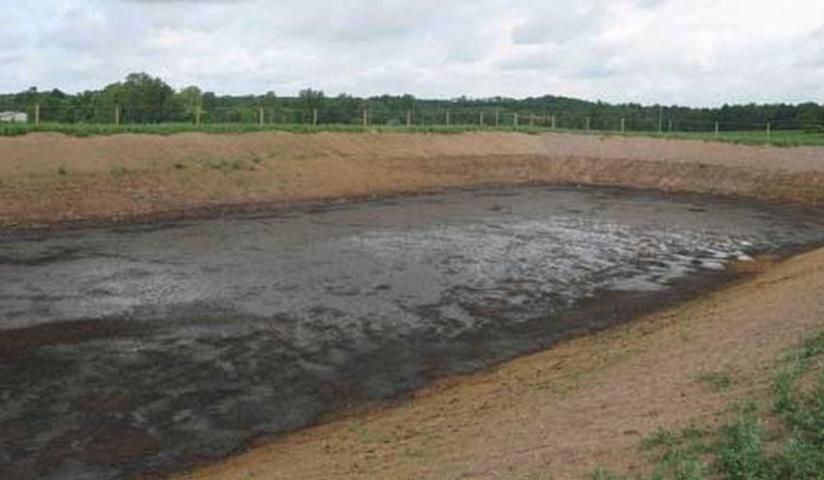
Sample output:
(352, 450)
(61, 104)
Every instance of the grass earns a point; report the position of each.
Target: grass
(744, 448)
(363, 433)
(87, 130)
(119, 171)
(778, 138)
(221, 164)
(784, 138)
(718, 381)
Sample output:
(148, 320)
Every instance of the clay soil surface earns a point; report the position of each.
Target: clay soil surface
(562, 413)
(48, 179)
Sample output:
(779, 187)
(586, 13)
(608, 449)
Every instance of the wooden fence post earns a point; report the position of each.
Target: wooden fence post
(660, 120)
(315, 117)
(37, 114)
(117, 115)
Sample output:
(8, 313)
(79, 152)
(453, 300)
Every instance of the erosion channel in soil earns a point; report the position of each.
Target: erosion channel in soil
(145, 349)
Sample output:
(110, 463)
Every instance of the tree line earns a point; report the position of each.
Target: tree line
(142, 98)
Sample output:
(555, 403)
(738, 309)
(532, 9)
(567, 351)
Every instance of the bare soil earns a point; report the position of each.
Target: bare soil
(48, 178)
(562, 413)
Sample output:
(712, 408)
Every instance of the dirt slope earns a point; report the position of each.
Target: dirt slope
(564, 412)
(52, 178)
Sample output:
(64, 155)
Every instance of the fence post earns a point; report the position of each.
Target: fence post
(660, 121)
(197, 115)
(260, 116)
(408, 118)
(588, 123)
(769, 132)
(315, 117)
(553, 121)
(623, 125)
(448, 120)
(515, 119)
(365, 117)
(670, 125)
(497, 117)
(117, 115)
(531, 120)
(481, 119)
(37, 114)
(716, 129)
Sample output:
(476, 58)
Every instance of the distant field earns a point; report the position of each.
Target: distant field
(779, 138)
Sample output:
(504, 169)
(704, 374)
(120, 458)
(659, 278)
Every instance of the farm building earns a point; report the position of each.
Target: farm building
(14, 117)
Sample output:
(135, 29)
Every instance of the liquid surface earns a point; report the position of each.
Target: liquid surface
(144, 349)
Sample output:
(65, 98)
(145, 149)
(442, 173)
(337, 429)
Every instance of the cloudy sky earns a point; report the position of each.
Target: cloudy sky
(696, 52)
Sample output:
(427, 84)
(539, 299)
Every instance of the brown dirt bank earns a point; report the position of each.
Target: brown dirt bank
(51, 178)
(562, 413)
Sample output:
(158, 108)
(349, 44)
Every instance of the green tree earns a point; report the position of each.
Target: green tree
(142, 98)
(311, 100)
(810, 117)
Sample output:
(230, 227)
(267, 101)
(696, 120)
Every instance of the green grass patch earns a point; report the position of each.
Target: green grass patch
(784, 138)
(780, 138)
(739, 451)
(744, 448)
(221, 164)
(119, 171)
(718, 381)
(362, 432)
(87, 130)
(603, 474)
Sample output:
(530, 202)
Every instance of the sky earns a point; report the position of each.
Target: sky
(687, 52)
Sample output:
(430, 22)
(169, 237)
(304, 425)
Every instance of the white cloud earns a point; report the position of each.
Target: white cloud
(560, 25)
(701, 52)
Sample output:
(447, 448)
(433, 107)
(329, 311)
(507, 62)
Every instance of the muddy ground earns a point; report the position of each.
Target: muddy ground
(585, 404)
(146, 349)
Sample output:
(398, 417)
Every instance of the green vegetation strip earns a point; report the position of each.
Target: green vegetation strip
(744, 448)
(87, 130)
(782, 138)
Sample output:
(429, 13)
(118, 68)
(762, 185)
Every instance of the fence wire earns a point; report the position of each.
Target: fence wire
(480, 117)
